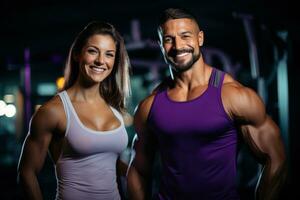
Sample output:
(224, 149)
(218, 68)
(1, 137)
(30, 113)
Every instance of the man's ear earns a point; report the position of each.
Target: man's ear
(201, 38)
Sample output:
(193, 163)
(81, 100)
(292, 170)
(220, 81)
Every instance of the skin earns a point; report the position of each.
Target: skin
(241, 104)
(48, 125)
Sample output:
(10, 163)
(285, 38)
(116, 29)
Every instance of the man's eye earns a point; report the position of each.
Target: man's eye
(167, 40)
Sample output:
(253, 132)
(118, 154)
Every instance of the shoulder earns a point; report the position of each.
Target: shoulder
(232, 89)
(49, 114)
(142, 113)
(236, 91)
(144, 106)
(241, 102)
(53, 107)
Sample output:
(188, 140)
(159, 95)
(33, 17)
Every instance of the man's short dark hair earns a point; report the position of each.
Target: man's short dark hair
(175, 13)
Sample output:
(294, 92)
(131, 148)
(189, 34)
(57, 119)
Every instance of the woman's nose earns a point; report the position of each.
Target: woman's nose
(99, 60)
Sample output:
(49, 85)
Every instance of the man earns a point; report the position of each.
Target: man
(194, 119)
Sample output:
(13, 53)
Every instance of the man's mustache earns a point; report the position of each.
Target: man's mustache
(174, 52)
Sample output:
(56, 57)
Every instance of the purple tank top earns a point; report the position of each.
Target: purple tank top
(197, 145)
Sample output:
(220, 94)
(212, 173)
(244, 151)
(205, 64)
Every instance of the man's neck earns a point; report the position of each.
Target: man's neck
(197, 75)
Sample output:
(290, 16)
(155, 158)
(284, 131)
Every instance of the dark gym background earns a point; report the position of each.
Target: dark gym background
(255, 41)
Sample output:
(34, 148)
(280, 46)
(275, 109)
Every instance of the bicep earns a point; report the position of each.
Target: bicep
(265, 141)
(144, 153)
(259, 130)
(243, 105)
(35, 146)
(145, 144)
(33, 153)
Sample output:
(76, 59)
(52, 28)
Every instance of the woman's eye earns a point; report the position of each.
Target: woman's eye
(92, 51)
(110, 55)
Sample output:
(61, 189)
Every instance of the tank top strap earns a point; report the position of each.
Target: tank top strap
(117, 114)
(216, 79)
(64, 100)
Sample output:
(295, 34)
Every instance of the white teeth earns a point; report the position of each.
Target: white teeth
(98, 69)
(182, 54)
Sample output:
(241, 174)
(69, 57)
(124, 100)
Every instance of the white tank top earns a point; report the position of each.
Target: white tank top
(86, 168)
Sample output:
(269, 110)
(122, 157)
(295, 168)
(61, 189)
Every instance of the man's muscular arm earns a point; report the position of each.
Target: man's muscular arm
(266, 143)
(139, 176)
(261, 134)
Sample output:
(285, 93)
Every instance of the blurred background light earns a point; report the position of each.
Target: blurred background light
(2, 107)
(9, 98)
(60, 83)
(46, 89)
(10, 110)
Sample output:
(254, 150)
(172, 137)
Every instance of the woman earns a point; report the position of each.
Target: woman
(82, 127)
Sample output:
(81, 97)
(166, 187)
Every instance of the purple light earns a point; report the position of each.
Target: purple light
(27, 85)
(57, 59)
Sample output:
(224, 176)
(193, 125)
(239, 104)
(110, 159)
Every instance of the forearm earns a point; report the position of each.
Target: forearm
(137, 185)
(30, 186)
(271, 182)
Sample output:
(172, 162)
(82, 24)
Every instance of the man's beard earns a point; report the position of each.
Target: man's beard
(185, 66)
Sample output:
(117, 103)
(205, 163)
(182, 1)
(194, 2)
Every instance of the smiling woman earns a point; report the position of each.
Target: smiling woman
(97, 58)
(116, 87)
(82, 126)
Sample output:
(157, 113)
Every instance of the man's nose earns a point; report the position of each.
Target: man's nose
(178, 43)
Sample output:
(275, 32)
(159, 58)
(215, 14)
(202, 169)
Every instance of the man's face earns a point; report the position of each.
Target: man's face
(180, 42)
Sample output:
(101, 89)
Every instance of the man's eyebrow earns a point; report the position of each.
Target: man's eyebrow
(186, 32)
(167, 35)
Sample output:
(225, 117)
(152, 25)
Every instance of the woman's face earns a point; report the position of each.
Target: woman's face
(97, 58)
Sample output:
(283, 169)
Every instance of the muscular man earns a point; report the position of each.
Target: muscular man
(193, 119)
